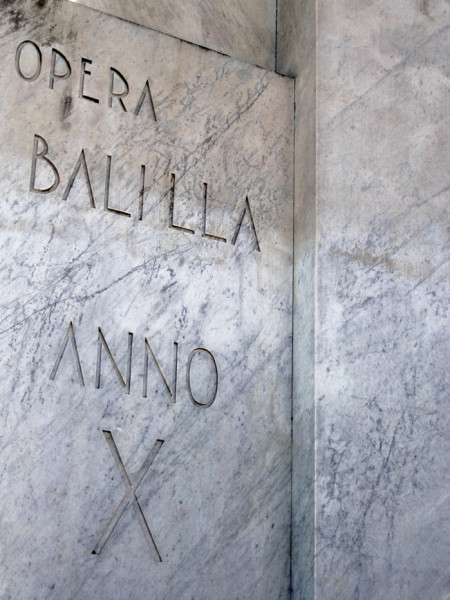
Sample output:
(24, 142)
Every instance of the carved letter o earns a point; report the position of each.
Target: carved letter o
(37, 70)
(188, 378)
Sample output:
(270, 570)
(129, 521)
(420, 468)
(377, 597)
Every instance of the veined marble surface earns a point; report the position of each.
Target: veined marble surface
(216, 495)
(382, 378)
(245, 30)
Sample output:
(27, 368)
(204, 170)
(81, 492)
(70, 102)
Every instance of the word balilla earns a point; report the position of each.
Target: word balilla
(81, 170)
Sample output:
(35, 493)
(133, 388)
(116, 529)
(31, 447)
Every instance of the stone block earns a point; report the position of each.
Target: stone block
(245, 30)
(145, 344)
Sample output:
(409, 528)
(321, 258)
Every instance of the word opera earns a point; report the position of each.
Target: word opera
(28, 63)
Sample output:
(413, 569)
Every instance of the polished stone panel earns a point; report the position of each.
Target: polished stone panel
(245, 30)
(145, 342)
(297, 56)
(382, 377)
(371, 286)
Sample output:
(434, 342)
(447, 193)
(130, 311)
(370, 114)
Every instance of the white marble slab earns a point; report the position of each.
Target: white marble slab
(371, 445)
(382, 378)
(297, 56)
(216, 496)
(245, 30)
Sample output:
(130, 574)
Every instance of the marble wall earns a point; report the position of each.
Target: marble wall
(245, 30)
(297, 23)
(369, 442)
(382, 377)
(375, 76)
(145, 340)
(381, 444)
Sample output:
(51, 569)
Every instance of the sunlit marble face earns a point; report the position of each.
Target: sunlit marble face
(145, 351)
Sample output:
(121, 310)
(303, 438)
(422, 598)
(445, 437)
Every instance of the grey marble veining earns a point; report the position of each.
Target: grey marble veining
(371, 285)
(96, 260)
(370, 514)
(383, 445)
(245, 30)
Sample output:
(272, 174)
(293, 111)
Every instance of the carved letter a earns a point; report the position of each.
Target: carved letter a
(70, 333)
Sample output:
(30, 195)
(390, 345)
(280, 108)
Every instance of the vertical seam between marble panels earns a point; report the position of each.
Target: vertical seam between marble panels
(291, 541)
(316, 248)
(276, 36)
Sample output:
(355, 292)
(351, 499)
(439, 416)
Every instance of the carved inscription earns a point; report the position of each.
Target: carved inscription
(28, 64)
(134, 364)
(102, 343)
(211, 358)
(130, 496)
(124, 376)
(69, 335)
(40, 156)
(171, 390)
(32, 63)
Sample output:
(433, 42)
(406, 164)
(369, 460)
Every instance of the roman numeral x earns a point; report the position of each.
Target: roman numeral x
(130, 496)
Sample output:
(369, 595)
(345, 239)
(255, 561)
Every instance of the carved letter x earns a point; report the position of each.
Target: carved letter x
(130, 496)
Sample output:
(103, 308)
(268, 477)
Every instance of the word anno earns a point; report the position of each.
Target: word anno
(125, 381)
